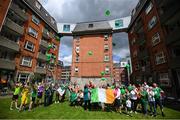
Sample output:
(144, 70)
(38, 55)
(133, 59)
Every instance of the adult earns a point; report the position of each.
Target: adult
(157, 95)
(86, 98)
(151, 100)
(117, 94)
(133, 98)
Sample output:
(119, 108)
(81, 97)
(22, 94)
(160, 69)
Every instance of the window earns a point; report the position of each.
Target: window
(106, 37)
(149, 8)
(35, 20)
(54, 46)
(133, 41)
(164, 79)
(106, 58)
(22, 77)
(66, 28)
(137, 66)
(106, 47)
(33, 32)
(152, 22)
(26, 61)
(29, 46)
(155, 39)
(76, 69)
(77, 49)
(135, 53)
(160, 58)
(107, 70)
(38, 5)
(77, 58)
(90, 26)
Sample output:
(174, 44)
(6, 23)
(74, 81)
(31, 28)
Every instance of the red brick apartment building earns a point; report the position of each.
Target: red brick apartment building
(154, 44)
(119, 73)
(92, 52)
(27, 34)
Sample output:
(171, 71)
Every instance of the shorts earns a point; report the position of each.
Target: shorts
(24, 100)
(33, 99)
(117, 103)
(15, 97)
(39, 95)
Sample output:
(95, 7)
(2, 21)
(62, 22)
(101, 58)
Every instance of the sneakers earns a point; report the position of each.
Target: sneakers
(11, 109)
(135, 112)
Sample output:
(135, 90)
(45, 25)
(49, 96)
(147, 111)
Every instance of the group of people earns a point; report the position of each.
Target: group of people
(129, 98)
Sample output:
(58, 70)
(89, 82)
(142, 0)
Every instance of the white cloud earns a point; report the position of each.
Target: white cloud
(67, 60)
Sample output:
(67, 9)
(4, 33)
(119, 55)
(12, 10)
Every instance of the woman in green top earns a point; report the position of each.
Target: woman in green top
(15, 97)
(33, 96)
(144, 100)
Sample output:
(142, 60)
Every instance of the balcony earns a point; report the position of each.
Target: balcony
(41, 56)
(11, 45)
(44, 43)
(46, 34)
(169, 12)
(175, 63)
(40, 70)
(14, 26)
(173, 37)
(7, 64)
(143, 55)
(19, 12)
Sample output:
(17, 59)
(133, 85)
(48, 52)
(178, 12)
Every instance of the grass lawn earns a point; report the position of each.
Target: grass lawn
(64, 111)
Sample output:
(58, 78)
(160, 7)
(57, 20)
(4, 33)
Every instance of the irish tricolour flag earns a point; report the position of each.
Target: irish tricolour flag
(102, 95)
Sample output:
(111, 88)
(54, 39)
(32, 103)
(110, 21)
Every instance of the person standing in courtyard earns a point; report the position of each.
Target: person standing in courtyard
(15, 97)
(32, 97)
(86, 98)
(157, 95)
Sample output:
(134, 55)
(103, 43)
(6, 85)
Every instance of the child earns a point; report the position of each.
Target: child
(40, 93)
(33, 97)
(128, 106)
(15, 96)
(24, 98)
(73, 97)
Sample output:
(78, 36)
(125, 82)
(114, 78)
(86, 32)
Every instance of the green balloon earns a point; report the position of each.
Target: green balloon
(90, 53)
(102, 73)
(103, 79)
(107, 13)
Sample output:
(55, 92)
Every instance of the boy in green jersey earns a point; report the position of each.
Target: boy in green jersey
(157, 95)
(15, 97)
(144, 100)
(33, 97)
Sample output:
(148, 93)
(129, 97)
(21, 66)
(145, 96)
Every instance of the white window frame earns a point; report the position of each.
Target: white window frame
(23, 74)
(164, 79)
(155, 39)
(106, 37)
(77, 48)
(29, 44)
(160, 58)
(76, 69)
(32, 32)
(35, 20)
(106, 47)
(149, 8)
(26, 62)
(107, 69)
(106, 58)
(54, 46)
(38, 5)
(77, 58)
(152, 22)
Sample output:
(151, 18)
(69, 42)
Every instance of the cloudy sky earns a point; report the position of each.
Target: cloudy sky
(73, 11)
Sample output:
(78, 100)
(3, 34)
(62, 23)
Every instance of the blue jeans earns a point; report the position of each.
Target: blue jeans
(152, 105)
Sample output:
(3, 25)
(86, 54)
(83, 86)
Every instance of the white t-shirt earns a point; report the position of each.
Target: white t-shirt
(133, 95)
(128, 103)
(151, 96)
